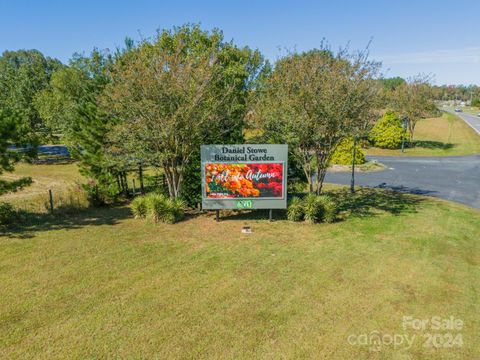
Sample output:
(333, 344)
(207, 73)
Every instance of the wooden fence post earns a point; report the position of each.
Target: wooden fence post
(118, 183)
(50, 195)
(125, 182)
(140, 175)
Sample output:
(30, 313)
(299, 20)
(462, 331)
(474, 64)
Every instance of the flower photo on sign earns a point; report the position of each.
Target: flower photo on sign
(229, 181)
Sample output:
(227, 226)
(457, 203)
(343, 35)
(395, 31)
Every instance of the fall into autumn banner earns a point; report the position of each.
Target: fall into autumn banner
(229, 181)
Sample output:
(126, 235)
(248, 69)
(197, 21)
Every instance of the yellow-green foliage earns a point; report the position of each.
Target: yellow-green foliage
(158, 207)
(139, 207)
(387, 132)
(343, 154)
(295, 210)
(313, 209)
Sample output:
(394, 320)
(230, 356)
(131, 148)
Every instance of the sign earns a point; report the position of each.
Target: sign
(244, 176)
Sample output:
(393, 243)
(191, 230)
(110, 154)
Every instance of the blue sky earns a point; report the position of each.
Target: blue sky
(409, 37)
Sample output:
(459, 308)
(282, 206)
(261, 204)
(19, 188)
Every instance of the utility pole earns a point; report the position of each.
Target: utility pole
(352, 183)
(404, 125)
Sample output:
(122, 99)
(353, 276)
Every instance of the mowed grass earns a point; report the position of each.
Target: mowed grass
(447, 135)
(104, 285)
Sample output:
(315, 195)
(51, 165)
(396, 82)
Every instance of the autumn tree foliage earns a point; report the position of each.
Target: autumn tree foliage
(184, 88)
(414, 100)
(312, 101)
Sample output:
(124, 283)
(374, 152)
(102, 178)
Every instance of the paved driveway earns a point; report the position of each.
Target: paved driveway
(454, 178)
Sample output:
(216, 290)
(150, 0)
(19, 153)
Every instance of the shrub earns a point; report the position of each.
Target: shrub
(330, 209)
(7, 214)
(343, 154)
(387, 132)
(100, 195)
(164, 209)
(155, 205)
(476, 102)
(139, 207)
(313, 209)
(175, 210)
(295, 209)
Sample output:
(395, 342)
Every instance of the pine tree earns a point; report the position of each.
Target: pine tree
(14, 132)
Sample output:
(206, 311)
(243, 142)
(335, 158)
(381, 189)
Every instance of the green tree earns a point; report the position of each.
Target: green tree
(388, 132)
(23, 74)
(70, 106)
(343, 154)
(312, 101)
(414, 100)
(69, 88)
(90, 128)
(14, 133)
(185, 88)
(392, 83)
(476, 102)
(58, 104)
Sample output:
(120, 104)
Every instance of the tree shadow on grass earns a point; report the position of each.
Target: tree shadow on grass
(428, 144)
(370, 202)
(29, 223)
(364, 202)
(249, 215)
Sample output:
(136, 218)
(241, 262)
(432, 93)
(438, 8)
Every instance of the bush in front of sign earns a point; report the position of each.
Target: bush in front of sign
(158, 207)
(139, 207)
(295, 210)
(330, 208)
(313, 209)
(165, 209)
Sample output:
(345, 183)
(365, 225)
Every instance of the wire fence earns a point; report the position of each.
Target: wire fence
(52, 200)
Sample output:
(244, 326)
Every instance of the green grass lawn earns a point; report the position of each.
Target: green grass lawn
(101, 284)
(447, 135)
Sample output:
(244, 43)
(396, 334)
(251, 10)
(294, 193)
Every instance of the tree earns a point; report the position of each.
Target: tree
(185, 88)
(14, 133)
(70, 106)
(69, 88)
(312, 101)
(89, 144)
(476, 102)
(58, 104)
(23, 74)
(413, 100)
(392, 83)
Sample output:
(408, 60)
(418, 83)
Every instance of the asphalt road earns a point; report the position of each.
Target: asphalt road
(455, 178)
(472, 120)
